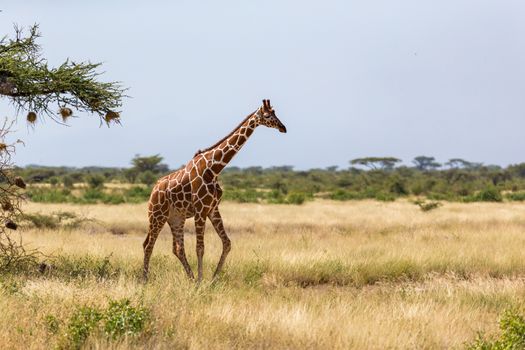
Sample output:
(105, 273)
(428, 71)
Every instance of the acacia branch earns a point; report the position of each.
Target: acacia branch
(31, 85)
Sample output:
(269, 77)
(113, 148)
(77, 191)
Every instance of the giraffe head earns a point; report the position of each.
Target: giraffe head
(266, 116)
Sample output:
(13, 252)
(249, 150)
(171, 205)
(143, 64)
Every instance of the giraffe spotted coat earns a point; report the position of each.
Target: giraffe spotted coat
(193, 191)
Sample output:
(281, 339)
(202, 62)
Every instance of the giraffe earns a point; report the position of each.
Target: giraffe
(193, 191)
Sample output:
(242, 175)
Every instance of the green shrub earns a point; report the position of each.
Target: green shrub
(369, 192)
(95, 181)
(512, 326)
(342, 195)
(398, 187)
(253, 271)
(119, 319)
(385, 197)
(417, 188)
(122, 318)
(243, 196)
(52, 324)
(275, 197)
(49, 195)
(68, 181)
(440, 196)
(488, 194)
(147, 177)
(516, 196)
(84, 320)
(295, 198)
(92, 196)
(113, 199)
(137, 194)
(84, 266)
(463, 191)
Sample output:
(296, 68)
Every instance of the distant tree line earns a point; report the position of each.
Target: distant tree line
(381, 178)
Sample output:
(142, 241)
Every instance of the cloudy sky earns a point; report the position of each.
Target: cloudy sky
(348, 78)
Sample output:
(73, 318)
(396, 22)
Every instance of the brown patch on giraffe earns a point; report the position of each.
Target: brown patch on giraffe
(229, 155)
(154, 198)
(217, 155)
(201, 163)
(196, 183)
(207, 199)
(208, 176)
(233, 140)
(163, 185)
(193, 173)
(202, 191)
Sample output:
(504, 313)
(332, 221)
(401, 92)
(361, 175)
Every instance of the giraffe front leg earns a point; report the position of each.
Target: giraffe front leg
(200, 223)
(177, 230)
(216, 220)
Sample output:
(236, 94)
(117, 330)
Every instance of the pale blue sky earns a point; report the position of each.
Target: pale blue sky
(348, 78)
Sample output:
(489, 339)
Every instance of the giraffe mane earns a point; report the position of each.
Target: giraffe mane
(225, 137)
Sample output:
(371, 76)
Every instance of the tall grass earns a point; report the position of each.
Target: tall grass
(362, 274)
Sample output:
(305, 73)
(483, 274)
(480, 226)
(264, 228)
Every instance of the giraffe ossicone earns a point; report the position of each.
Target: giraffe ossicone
(193, 191)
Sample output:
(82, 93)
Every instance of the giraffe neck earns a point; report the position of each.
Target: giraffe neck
(219, 156)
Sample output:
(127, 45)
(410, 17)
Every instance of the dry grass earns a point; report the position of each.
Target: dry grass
(322, 275)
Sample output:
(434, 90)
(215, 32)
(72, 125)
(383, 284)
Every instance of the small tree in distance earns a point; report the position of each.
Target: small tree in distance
(425, 163)
(376, 163)
(458, 163)
(150, 163)
(146, 169)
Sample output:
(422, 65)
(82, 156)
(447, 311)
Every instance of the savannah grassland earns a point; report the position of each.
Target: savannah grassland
(358, 274)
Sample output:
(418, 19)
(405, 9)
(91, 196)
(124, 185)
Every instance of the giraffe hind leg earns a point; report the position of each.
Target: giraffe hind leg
(216, 219)
(154, 229)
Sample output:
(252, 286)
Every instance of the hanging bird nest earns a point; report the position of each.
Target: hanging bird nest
(11, 225)
(112, 116)
(20, 182)
(31, 117)
(65, 112)
(7, 206)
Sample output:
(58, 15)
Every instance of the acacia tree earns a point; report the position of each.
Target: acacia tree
(425, 163)
(33, 87)
(146, 169)
(458, 163)
(376, 163)
(150, 163)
